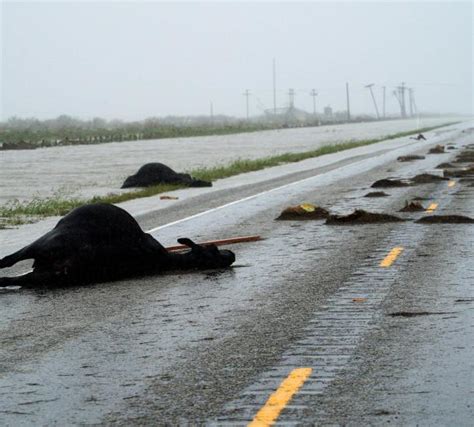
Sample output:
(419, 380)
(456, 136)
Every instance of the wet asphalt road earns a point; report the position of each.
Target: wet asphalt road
(209, 348)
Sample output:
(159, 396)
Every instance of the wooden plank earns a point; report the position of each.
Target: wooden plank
(220, 242)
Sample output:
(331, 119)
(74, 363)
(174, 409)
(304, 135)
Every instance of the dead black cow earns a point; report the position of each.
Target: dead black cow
(102, 242)
(419, 137)
(158, 173)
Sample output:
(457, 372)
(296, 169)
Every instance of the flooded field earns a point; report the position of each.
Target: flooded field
(88, 170)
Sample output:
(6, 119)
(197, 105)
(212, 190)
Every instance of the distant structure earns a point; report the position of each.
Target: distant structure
(328, 112)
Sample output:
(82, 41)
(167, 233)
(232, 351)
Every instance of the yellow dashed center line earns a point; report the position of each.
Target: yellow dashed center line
(451, 183)
(391, 257)
(280, 398)
(432, 207)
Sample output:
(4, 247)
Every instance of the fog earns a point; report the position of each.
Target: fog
(141, 59)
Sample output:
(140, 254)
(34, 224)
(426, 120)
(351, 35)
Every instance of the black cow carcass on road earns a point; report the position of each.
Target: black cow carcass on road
(102, 242)
(158, 173)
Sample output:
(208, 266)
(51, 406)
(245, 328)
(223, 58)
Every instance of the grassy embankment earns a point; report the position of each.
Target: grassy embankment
(15, 212)
(71, 135)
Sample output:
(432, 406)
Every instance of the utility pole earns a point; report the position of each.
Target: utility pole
(415, 109)
(373, 99)
(401, 99)
(411, 97)
(274, 88)
(291, 94)
(247, 94)
(383, 91)
(314, 94)
(212, 112)
(348, 104)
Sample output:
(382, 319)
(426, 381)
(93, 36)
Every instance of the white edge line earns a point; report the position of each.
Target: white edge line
(394, 151)
(245, 199)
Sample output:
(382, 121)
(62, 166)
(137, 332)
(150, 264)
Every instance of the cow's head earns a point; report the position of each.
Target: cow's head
(208, 256)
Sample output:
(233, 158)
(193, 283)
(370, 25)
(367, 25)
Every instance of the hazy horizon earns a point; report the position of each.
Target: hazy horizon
(135, 60)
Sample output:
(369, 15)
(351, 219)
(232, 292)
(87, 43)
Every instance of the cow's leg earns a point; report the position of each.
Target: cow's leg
(33, 279)
(15, 257)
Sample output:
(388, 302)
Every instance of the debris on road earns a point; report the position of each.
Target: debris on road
(377, 194)
(359, 216)
(418, 313)
(445, 219)
(412, 207)
(387, 183)
(466, 156)
(427, 178)
(438, 149)
(168, 198)
(305, 211)
(457, 173)
(410, 158)
(445, 165)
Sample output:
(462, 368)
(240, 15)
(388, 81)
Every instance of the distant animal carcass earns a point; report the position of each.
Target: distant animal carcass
(158, 173)
(102, 242)
(419, 137)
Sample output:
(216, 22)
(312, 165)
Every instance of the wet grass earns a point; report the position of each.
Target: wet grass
(17, 212)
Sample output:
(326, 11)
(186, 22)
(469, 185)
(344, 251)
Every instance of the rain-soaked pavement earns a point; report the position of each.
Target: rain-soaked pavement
(210, 348)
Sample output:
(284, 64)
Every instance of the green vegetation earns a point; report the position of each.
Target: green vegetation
(15, 213)
(19, 134)
(247, 165)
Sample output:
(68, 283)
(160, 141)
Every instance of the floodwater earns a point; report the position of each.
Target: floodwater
(88, 170)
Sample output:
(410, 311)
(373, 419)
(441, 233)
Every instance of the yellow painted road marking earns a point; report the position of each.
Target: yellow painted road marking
(432, 207)
(391, 257)
(451, 183)
(278, 400)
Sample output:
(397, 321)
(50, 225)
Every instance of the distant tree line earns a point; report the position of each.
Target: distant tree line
(30, 133)
(19, 133)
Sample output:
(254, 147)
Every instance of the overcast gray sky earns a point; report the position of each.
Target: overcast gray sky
(132, 60)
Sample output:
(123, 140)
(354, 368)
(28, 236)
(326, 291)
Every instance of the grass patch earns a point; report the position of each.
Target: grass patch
(247, 165)
(16, 212)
